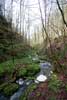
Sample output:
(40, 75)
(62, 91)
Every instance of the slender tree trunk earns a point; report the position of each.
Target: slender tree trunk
(62, 13)
(12, 30)
(20, 15)
(44, 28)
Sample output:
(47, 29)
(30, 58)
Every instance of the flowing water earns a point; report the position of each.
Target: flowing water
(18, 93)
(21, 90)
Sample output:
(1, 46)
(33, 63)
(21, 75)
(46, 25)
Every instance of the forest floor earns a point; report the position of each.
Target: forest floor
(54, 89)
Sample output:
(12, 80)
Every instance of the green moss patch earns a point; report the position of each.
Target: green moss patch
(30, 71)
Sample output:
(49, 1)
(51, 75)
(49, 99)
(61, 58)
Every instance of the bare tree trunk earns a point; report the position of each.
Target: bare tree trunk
(4, 8)
(11, 29)
(28, 26)
(62, 13)
(23, 22)
(20, 15)
(44, 28)
(17, 22)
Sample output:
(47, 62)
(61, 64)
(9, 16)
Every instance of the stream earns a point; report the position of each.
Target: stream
(21, 90)
(46, 70)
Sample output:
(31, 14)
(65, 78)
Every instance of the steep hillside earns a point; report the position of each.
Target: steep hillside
(11, 42)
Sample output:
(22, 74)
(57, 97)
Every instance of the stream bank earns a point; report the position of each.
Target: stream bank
(45, 69)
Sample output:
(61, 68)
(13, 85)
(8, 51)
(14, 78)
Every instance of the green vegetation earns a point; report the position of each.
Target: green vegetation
(54, 84)
(8, 88)
(29, 71)
(26, 67)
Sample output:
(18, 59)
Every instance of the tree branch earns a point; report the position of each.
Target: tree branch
(62, 13)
